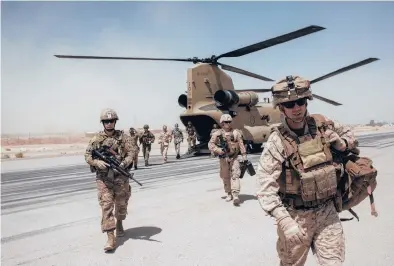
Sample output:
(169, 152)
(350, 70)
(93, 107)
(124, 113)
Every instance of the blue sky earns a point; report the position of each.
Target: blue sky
(69, 94)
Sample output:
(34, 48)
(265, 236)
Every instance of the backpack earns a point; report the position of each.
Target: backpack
(359, 179)
(358, 183)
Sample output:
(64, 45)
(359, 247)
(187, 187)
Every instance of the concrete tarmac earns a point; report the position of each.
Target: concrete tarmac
(51, 216)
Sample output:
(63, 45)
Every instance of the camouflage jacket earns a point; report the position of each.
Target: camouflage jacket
(134, 141)
(165, 138)
(147, 138)
(191, 131)
(177, 135)
(233, 139)
(119, 142)
(270, 167)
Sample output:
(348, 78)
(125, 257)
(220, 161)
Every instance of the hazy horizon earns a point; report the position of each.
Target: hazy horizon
(41, 93)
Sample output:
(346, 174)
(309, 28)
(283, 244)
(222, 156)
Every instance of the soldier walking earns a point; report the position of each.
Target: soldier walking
(191, 136)
(135, 147)
(178, 138)
(146, 139)
(229, 165)
(114, 190)
(164, 141)
(297, 179)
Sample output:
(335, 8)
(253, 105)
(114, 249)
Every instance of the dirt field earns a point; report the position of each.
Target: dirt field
(62, 145)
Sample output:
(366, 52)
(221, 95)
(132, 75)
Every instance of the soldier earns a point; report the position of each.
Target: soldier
(135, 147)
(229, 164)
(114, 190)
(214, 129)
(164, 140)
(178, 138)
(146, 139)
(297, 180)
(191, 136)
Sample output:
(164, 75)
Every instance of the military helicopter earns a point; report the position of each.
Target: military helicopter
(210, 93)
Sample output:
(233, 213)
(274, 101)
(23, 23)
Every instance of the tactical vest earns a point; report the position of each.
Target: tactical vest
(190, 130)
(309, 177)
(232, 143)
(133, 139)
(177, 135)
(165, 138)
(115, 142)
(147, 138)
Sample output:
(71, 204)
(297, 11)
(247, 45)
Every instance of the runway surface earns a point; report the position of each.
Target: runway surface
(50, 216)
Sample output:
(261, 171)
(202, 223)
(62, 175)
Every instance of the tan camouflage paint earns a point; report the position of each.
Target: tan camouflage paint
(321, 224)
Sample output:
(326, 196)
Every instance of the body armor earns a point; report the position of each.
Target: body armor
(147, 138)
(232, 142)
(178, 136)
(310, 176)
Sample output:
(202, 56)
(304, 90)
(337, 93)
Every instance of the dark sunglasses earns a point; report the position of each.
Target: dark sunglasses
(299, 102)
(227, 122)
(108, 121)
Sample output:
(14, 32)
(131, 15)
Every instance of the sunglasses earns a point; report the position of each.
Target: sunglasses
(299, 102)
(108, 121)
(227, 122)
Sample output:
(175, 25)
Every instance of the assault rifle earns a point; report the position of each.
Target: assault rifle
(223, 145)
(106, 154)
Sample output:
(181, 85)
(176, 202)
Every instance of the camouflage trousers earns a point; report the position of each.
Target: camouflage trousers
(146, 151)
(164, 150)
(324, 235)
(191, 142)
(135, 156)
(177, 147)
(113, 200)
(230, 172)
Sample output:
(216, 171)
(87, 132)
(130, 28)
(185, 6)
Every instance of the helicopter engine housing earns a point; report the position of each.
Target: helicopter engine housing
(230, 98)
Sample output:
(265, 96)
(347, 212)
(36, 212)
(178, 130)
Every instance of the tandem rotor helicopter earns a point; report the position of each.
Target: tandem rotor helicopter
(211, 92)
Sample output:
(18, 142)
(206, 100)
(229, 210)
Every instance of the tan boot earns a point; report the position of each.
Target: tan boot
(111, 241)
(236, 200)
(119, 228)
(229, 197)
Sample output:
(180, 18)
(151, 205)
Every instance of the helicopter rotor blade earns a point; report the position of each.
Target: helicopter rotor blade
(123, 58)
(273, 41)
(344, 69)
(255, 90)
(243, 72)
(326, 100)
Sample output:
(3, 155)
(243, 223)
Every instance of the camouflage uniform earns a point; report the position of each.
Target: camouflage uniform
(114, 190)
(191, 135)
(146, 139)
(214, 129)
(297, 183)
(178, 138)
(135, 147)
(229, 166)
(164, 140)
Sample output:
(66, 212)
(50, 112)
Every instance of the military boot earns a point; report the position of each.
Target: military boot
(178, 156)
(146, 163)
(119, 228)
(236, 200)
(229, 197)
(111, 241)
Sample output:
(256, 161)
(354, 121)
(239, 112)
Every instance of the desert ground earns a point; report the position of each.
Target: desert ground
(50, 215)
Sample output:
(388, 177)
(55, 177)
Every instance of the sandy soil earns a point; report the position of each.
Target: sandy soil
(18, 148)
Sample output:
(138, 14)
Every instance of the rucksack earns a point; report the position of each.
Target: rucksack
(358, 183)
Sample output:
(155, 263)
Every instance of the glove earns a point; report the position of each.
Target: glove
(292, 231)
(100, 164)
(244, 158)
(336, 141)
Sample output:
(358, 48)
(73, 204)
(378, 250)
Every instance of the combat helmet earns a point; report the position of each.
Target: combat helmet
(226, 118)
(146, 126)
(108, 114)
(290, 89)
